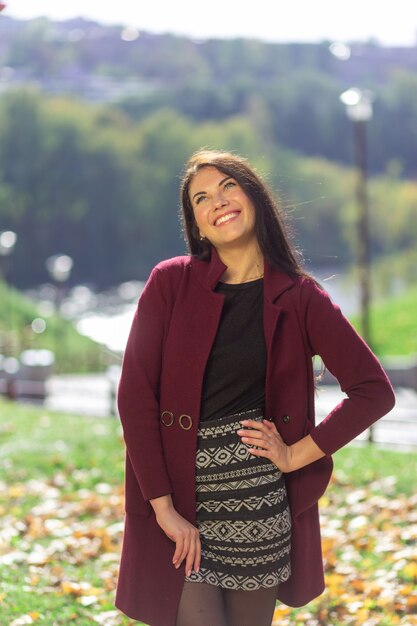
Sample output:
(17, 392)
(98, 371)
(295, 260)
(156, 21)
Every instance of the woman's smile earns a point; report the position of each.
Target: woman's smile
(225, 219)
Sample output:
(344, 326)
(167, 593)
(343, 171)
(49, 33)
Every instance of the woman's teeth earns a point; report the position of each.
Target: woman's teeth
(225, 218)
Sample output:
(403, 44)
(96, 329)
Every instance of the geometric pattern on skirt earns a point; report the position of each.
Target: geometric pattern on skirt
(242, 510)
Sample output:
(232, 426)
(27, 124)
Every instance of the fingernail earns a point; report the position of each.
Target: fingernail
(244, 422)
(189, 573)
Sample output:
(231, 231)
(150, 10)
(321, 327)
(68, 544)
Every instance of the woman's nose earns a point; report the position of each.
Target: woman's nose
(220, 199)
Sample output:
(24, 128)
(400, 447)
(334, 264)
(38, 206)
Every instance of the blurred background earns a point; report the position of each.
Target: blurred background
(100, 106)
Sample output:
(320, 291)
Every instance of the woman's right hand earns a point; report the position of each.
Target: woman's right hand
(185, 536)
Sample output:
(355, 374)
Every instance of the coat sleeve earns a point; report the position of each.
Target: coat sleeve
(350, 360)
(138, 393)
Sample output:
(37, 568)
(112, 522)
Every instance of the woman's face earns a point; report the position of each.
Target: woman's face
(223, 212)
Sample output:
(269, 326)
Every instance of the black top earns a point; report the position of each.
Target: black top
(234, 379)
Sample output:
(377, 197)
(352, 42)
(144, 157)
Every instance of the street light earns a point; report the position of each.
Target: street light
(59, 267)
(7, 243)
(9, 340)
(359, 109)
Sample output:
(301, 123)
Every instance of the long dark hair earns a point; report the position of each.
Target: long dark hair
(272, 232)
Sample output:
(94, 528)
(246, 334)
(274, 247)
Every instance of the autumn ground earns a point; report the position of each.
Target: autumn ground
(61, 512)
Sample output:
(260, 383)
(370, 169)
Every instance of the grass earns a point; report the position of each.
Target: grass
(61, 512)
(394, 325)
(73, 352)
(74, 465)
(359, 466)
(51, 442)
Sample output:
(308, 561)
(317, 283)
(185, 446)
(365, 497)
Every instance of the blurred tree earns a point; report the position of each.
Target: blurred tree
(90, 182)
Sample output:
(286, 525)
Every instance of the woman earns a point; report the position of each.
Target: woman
(224, 463)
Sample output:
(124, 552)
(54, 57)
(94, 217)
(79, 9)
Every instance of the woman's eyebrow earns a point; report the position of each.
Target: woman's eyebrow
(220, 183)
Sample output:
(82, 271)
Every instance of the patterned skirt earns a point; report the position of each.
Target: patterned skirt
(242, 510)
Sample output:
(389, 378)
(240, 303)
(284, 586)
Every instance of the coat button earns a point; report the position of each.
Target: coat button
(167, 418)
(285, 419)
(185, 421)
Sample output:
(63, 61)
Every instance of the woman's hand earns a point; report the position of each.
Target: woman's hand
(264, 435)
(185, 536)
(269, 443)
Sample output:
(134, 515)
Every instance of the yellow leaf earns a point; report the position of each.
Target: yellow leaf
(328, 543)
(406, 590)
(373, 589)
(410, 570)
(358, 585)
(412, 604)
(68, 587)
(92, 591)
(361, 616)
(16, 491)
(281, 611)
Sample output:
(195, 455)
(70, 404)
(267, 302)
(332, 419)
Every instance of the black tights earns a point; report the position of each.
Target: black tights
(207, 605)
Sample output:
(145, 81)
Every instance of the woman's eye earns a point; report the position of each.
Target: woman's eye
(229, 184)
(200, 199)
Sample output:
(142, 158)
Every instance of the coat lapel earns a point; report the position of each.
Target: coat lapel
(275, 283)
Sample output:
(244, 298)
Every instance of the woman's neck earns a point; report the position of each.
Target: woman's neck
(243, 265)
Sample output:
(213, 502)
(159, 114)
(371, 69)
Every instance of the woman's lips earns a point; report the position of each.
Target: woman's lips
(227, 217)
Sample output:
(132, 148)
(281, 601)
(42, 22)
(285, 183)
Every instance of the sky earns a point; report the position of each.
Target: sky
(388, 22)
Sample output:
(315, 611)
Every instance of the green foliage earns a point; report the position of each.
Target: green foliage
(37, 436)
(361, 465)
(69, 168)
(393, 272)
(394, 325)
(73, 352)
(298, 83)
(90, 182)
(393, 209)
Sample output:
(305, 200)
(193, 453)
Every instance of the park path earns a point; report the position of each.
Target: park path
(93, 395)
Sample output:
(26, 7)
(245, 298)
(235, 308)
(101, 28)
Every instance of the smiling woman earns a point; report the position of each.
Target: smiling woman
(225, 464)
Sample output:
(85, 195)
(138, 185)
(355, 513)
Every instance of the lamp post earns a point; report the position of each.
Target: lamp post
(10, 339)
(59, 267)
(359, 109)
(7, 243)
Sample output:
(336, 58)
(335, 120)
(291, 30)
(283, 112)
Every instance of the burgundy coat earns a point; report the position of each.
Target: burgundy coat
(170, 341)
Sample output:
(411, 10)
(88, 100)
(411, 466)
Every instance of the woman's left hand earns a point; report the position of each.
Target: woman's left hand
(269, 443)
